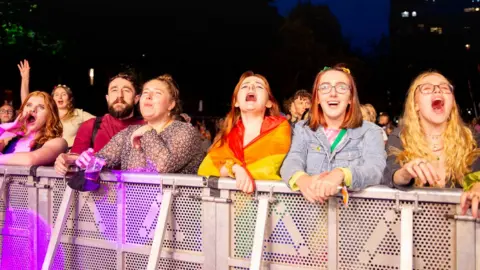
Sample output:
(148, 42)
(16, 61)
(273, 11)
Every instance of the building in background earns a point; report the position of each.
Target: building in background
(437, 34)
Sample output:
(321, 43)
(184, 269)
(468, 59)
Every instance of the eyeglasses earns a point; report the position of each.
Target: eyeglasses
(340, 88)
(428, 88)
(6, 111)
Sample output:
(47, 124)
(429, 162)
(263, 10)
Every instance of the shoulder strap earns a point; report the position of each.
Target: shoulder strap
(338, 139)
(96, 126)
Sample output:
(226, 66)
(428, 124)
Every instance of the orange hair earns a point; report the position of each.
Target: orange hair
(53, 127)
(234, 113)
(353, 116)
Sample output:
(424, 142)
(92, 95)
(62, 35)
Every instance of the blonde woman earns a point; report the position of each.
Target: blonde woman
(434, 147)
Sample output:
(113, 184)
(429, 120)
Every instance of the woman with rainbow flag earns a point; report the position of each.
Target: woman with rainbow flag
(254, 138)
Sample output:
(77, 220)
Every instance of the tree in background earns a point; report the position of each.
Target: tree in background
(20, 32)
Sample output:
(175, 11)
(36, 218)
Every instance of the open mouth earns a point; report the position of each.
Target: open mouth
(333, 104)
(31, 119)
(60, 102)
(438, 105)
(251, 97)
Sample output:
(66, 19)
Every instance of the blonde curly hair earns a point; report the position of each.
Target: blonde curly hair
(460, 147)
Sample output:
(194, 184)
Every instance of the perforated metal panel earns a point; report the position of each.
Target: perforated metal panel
(369, 236)
(17, 214)
(138, 261)
(296, 232)
(92, 215)
(16, 249)
(184, 229)
(16, 252)
(75, 257)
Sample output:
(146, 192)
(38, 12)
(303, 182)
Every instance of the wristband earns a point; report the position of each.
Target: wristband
(229, 166)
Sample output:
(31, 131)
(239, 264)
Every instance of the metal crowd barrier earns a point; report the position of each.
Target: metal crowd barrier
(195, 223)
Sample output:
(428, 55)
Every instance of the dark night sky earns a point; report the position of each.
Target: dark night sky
(361, 20)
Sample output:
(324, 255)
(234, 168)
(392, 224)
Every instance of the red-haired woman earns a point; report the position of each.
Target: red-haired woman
(335, 147)
(254, 138)
(36, 135)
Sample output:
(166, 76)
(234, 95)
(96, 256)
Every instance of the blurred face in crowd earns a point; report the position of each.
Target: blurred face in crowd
(121, 98)
(253, 96)
(61, 97)
(156, 101)
(383, 120)
(434, 99)
(334, 94)
(6, 113)
(301, 104)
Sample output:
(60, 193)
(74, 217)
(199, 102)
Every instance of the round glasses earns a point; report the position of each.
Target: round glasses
(429, 88)
(340, 88)
(6, 111)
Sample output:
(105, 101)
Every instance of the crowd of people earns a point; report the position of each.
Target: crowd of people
(325, 139)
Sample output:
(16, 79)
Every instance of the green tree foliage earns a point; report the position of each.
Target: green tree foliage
(18, 32)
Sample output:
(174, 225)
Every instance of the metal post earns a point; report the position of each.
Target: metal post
(263, 203)
(160, 230)
(332, 233)
(465, 243)
(406, 242)
(60, 223)
(3, 184)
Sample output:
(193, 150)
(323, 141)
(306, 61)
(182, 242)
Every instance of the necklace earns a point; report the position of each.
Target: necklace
(435, 137)
(165, 126)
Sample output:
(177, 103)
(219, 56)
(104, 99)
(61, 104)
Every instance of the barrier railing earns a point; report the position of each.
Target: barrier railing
(195, 223)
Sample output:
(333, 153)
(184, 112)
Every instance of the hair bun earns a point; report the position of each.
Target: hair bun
(166, 77)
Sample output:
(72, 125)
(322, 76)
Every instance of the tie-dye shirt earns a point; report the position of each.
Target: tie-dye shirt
(331, 134)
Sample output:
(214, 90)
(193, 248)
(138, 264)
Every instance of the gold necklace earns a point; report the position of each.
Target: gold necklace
(165, 126)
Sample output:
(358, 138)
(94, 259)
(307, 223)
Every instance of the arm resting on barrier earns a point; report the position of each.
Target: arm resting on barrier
(371, 171)
(45, 155)
(172, 155)
(294, 164)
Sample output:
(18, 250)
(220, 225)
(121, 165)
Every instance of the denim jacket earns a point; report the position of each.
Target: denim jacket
(362, 151)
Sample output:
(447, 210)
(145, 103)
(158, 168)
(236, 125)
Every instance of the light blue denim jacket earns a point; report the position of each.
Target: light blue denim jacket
(362, 151)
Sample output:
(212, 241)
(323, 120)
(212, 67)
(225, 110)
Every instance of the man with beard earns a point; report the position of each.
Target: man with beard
(97, 132)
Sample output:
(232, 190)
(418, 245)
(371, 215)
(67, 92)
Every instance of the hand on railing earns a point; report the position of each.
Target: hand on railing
(471, 199)
(326, 184)
(84, 158)
(244, 181)
(305, 183)
(417, 168)
(63, 162)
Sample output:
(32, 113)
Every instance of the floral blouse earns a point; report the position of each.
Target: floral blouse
(174, 150)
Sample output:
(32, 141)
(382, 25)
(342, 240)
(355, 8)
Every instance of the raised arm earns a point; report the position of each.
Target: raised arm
(24, 68)
(46, 155)
(170, 155)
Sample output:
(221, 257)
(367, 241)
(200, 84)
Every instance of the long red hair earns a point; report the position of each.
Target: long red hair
(53, 127)
(234, 114)
(353, 116)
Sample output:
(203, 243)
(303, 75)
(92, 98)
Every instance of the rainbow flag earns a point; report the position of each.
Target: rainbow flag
(262, 157)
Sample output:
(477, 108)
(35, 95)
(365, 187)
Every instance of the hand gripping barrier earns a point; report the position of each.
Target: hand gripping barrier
(151, 221)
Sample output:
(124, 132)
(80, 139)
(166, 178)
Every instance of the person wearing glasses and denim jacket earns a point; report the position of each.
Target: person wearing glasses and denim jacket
(334, 147)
